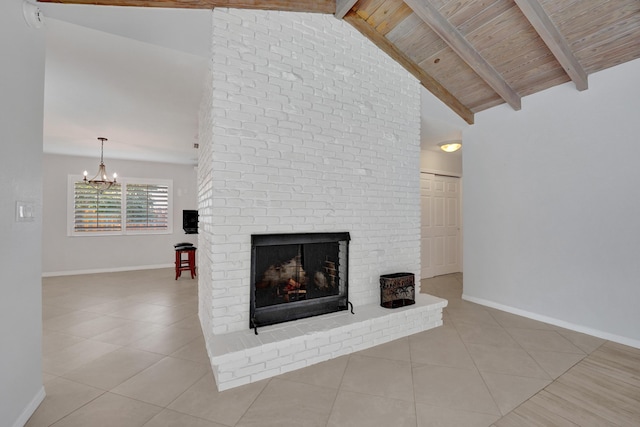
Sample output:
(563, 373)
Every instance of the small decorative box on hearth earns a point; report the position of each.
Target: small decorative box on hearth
(397, 290)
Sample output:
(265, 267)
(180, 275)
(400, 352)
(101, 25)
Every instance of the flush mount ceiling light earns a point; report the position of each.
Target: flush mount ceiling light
(32, 15)
(100, 182)
(450, 146)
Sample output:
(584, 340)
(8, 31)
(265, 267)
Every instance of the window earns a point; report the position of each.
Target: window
(96, 211)
(133, 206)
(147, 207)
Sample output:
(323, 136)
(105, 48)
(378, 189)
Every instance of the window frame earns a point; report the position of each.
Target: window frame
(71, 181)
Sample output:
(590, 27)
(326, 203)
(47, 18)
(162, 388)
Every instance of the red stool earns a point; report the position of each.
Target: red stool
(186, 263)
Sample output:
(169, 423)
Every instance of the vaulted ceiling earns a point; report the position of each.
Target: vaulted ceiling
(475, 54)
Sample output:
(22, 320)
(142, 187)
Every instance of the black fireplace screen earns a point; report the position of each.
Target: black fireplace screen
(297, 275)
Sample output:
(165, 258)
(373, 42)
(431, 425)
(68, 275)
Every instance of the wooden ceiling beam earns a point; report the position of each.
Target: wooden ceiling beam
(344, 6)
(431, 84)
(315, 6)
(556, 43)
(441, 26)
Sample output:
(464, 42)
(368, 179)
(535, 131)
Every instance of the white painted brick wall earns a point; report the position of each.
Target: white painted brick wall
(310, 128)
(241, 357)
(205, 256)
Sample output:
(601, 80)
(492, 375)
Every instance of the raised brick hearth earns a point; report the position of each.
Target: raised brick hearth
(240, 358)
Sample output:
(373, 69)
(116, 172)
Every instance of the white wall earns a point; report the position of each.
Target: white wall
(551, 206)
(64, 254)
(312, 129)
(439, 123)
(441, 163)
(21, 114)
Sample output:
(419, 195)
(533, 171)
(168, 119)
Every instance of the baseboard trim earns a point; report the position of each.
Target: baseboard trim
(30, 409)
(557, 322)
(105, 270)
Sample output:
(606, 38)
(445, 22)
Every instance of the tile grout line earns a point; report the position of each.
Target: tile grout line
(478, 369)
(335, 399)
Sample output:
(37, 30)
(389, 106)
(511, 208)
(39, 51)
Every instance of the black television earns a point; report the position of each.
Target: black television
(190, 221)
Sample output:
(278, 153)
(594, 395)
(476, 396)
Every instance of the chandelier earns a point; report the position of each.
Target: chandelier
(100, 182)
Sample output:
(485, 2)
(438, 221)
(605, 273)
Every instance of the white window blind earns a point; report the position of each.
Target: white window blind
(133, 206)
(96, 211)
(147, 207)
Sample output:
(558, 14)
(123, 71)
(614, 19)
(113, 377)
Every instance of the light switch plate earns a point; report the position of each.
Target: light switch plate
(25, 211)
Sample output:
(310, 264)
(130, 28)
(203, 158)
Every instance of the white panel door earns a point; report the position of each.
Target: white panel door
(440, 230)
(426, 224)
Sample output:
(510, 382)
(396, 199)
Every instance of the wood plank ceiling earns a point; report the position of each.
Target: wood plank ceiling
(475, 54)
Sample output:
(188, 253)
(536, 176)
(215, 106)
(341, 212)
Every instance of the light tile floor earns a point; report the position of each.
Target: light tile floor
(126, 349)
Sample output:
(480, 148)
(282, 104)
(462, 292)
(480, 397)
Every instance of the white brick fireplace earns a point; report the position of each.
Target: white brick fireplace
(305, 127)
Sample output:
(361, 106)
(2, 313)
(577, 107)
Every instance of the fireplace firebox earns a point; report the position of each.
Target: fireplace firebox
(294, 276)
